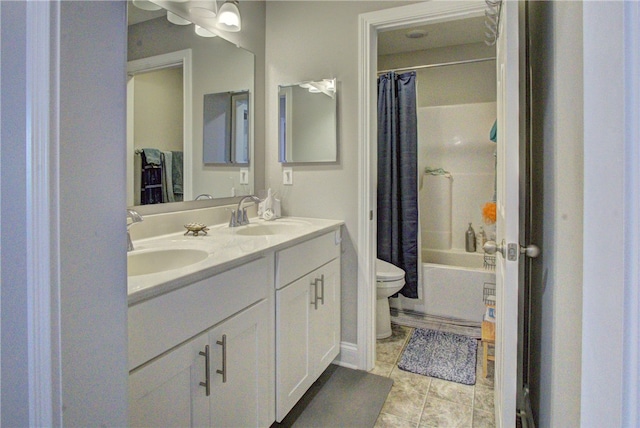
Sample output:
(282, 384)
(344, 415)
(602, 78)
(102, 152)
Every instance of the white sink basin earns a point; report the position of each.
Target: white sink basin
(272, 228)
(145, 263)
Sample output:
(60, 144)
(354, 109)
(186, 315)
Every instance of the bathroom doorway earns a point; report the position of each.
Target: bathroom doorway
(508, 98)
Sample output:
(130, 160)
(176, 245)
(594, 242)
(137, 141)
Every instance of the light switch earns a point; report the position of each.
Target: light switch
(244, 175)
(287, 176)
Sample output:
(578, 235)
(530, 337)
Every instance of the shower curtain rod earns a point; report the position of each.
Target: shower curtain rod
(442, 64)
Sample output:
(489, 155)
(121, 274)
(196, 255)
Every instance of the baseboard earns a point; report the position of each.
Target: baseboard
(348, 356)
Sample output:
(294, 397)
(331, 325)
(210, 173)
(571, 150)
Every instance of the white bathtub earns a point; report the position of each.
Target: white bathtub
(452, 285)
(453, 282)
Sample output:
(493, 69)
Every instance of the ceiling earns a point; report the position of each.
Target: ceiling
(442, 34)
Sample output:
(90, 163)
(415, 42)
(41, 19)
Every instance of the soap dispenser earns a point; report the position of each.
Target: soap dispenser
(470, 240)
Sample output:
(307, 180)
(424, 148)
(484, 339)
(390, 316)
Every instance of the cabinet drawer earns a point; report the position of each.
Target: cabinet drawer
(297, 261)
(159, 324)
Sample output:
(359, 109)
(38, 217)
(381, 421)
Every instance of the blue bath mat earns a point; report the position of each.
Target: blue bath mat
(441, 354)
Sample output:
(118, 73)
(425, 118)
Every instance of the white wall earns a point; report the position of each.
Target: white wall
(158, 110)
(310, 41)
(13, 205)
(93, 270)
(458, 84)
(557, 286)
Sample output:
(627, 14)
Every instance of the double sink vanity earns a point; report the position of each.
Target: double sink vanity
(231, 327)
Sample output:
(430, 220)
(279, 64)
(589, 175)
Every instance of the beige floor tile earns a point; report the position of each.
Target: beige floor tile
(482, 419)
(407, 395)
(483, 399)
(452, 391)
(443, 413)
(389, 349)
(386, 420)
(382, 368)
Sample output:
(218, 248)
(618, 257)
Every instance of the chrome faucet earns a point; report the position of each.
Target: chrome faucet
(239, 216)
(203, 196)
(135, 218)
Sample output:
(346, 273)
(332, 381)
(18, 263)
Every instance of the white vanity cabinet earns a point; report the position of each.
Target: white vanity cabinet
(225, 321)
(307, 316)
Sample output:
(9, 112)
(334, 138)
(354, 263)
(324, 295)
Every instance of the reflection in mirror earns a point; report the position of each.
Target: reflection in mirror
(216, 66)
(307, 122)
(226, 128)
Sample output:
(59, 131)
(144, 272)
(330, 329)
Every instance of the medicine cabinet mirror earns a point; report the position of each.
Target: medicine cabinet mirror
(308, 122)
(225, 137)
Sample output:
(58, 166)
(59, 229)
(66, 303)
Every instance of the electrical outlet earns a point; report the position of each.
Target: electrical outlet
(287, 176)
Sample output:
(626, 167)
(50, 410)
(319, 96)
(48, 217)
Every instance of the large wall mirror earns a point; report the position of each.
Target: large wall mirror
(307, 123)
(171, 73)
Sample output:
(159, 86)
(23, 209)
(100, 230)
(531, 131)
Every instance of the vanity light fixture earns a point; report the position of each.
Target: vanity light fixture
(229, 17)
(175, 19)
(326, 86)
(145, 5)
(204, 8)
(203, 32)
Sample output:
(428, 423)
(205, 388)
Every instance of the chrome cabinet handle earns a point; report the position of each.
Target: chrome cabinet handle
(321, 298)
(315, 294)
(207, 374)
(223, 372)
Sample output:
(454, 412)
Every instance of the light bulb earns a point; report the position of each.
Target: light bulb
(203, 32)
(175, 19)
(229, 17)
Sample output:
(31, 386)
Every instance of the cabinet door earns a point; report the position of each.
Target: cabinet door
(167, 391)
(325, 320)
(293, 309)
(241, 369)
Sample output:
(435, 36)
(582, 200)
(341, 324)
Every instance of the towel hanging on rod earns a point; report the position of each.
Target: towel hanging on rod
(492, 21)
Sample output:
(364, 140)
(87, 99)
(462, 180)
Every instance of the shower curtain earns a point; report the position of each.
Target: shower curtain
(398, 220)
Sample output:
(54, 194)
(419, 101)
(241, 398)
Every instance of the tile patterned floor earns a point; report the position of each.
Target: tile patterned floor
(424, 402)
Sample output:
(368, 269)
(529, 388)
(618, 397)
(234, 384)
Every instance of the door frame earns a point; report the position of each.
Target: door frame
(369, 24)
(182, 58)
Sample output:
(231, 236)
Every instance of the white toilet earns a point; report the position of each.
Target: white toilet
(389, 280)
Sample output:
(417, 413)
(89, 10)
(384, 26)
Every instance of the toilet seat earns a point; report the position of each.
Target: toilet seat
(386, 272)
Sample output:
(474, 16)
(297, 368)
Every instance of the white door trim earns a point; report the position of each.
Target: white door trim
(43, 255)
(368, 26)
(631, 394)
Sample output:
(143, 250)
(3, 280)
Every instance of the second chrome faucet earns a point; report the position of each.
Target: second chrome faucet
(239, 216)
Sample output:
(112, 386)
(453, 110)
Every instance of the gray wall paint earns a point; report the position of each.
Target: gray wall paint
(93, 272)
(14, 393)
(311, 41)
(556, 30)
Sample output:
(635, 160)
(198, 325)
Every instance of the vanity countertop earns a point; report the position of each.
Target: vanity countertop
(226, 248)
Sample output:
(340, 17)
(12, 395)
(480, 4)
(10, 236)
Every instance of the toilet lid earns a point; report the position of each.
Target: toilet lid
(385, 271)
